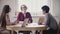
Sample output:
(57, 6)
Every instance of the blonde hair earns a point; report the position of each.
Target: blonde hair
(23, 6)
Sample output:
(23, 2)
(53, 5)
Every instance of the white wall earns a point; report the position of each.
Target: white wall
(0, 7)
(56, 7)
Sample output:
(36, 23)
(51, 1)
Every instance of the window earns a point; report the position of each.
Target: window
(34, 6)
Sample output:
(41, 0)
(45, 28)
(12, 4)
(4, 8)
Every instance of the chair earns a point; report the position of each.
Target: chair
(5, 32)
(58, 22)
(58, 32)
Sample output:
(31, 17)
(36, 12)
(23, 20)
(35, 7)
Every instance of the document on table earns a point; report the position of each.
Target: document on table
(35, 25)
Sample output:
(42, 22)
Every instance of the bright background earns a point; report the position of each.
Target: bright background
(34, 7)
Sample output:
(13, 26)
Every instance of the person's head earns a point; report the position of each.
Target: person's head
(6, 9)
(23, 8)
(45, 9)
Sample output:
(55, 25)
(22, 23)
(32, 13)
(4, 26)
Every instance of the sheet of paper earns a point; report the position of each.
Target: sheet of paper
(35, 25)
(17, 25)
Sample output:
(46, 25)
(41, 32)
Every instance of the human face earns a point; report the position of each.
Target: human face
(44, 12)
(24, 9)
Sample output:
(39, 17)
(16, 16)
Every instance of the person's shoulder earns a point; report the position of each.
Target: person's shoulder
(20, 12)
(27, 12)
(51, 16)
(48, 14)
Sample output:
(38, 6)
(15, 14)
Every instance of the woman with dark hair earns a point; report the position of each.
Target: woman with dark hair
(5, 16)
(5, 19)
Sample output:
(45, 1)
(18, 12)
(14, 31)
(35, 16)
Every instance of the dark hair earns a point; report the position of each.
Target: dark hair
(24, 6)
(46, 8)
(6, 9)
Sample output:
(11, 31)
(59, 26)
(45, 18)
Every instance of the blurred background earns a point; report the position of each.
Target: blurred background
(34, 7)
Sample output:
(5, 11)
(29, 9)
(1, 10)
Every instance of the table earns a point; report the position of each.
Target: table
(13, 28)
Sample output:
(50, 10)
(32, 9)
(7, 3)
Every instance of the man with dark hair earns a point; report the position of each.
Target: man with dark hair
(46, 9)
(50, 22)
